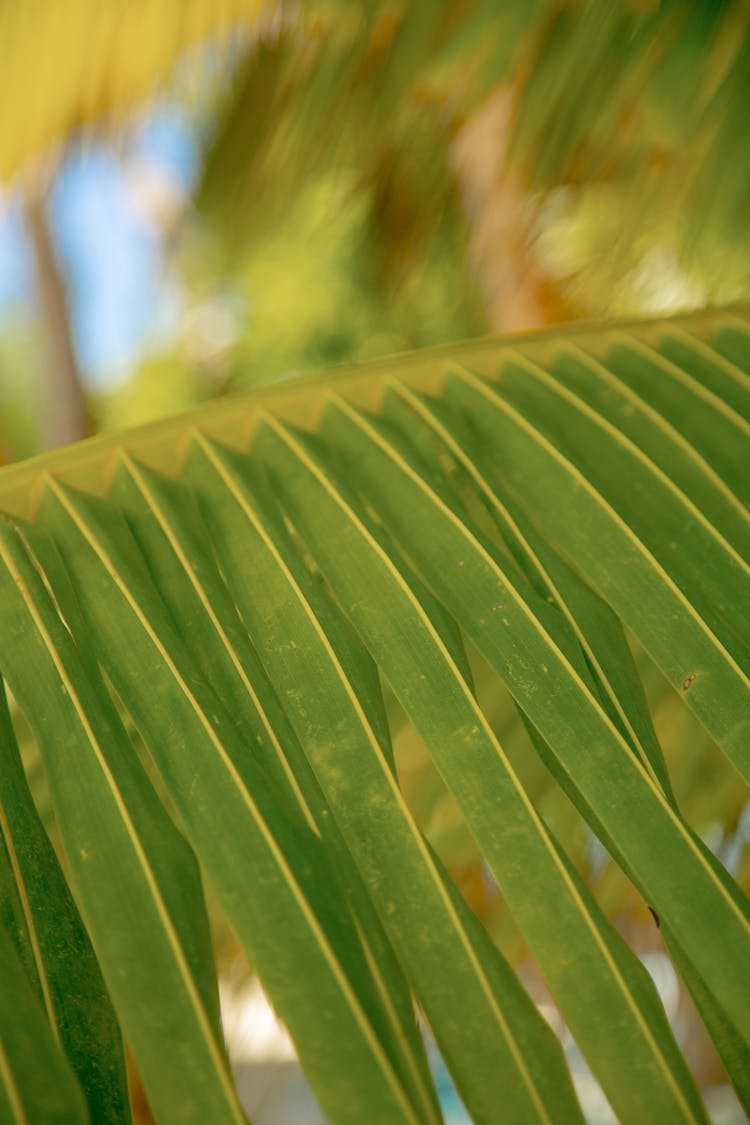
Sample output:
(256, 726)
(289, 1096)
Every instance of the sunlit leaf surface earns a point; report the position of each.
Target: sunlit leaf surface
(262, 587)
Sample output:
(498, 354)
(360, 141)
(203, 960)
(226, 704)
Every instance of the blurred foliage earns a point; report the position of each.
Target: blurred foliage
(647, 100)
(309, 294)
(381, 176)
(385, 175)
(19, 391)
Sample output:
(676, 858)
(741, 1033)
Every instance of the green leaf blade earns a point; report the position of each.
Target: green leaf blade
(126, 858)
(189, 583)
(469, 758)
(60, 954)
(279, 903)
(438, 954)
(36, 1082)
(612, 557)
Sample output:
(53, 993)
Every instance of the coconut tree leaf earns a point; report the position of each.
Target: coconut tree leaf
(54, 945)
(189, 582)
(36, 1082)
(296, 631)
(594, 533)
(239, 581)
(593, 626)
(281, 904)
(511, 646)
(557, 913)
(126, 857)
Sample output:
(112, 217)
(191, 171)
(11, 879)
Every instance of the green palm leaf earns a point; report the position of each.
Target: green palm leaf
(36, 1082)
(54, 946)
(246, 578)
(126, 858)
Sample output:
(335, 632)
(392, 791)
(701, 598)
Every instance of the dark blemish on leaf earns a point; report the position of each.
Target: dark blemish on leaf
(655, 917)
(688, 681)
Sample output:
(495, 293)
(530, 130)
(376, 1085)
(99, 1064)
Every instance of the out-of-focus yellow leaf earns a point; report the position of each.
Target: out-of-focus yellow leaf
(64, 64)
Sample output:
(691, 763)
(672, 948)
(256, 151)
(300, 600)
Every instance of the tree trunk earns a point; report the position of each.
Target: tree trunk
(64, 416)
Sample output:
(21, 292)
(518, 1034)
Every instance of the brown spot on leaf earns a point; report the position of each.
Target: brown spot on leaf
(688, 681)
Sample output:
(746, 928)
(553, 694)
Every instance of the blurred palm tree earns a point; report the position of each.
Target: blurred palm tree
(499, 165)
(449, 166)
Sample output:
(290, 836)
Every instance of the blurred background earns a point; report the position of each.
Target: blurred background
(197, 198)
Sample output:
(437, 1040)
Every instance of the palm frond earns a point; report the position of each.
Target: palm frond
(244, 576)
